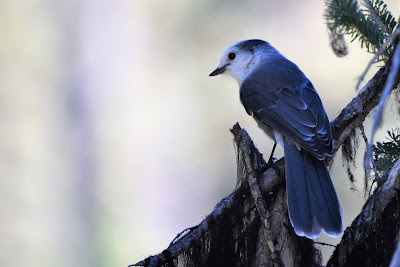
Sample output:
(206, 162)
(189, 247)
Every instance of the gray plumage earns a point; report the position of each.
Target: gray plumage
(284, 103)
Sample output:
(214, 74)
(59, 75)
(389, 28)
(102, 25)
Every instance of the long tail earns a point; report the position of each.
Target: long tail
(312, 201)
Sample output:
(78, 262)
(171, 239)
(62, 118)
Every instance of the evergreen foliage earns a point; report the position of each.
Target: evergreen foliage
(387, 153)
(384, 15)
(370, 27)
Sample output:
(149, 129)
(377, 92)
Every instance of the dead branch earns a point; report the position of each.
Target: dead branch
(235, 234)
(354, 114)
(371, 238)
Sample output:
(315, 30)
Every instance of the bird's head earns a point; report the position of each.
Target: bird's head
(241, 58)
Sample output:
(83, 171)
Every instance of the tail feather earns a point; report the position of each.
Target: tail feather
(312, 201)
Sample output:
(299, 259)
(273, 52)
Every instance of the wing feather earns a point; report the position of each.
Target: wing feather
(297, 114)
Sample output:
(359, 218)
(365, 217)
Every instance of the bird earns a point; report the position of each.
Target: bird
(285, 105)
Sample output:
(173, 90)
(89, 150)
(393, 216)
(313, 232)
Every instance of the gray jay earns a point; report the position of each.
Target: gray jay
(285, 105)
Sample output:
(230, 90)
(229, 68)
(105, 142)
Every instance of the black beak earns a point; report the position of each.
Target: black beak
(218, 70)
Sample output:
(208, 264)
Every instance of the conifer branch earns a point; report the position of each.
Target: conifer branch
(388, 42)
(387, 153)
(365, 25)
(367, 4)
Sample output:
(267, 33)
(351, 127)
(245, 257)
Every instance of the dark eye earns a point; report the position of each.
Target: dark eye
(231, 56)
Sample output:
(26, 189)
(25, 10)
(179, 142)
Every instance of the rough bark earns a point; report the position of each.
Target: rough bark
(354, 114)
(251, 227)
(235, 234)
(371, 238)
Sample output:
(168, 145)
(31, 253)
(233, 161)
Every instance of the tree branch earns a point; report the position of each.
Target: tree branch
(234, 234)
(389, 85)
(354, 114)
(375, 16)
(370, 240)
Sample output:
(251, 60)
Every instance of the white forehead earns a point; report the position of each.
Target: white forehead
(233, 49)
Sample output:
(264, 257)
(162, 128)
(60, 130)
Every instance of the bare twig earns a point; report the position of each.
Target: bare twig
(388, 41)
(354, 114)
(324, 244)
(390, 83)
(182, 234)
(375, 16)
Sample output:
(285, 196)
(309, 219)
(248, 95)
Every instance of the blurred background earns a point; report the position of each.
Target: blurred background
(112, 136)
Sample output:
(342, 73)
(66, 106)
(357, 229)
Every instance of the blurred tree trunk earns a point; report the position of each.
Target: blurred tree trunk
(77, 106)
(251, 226)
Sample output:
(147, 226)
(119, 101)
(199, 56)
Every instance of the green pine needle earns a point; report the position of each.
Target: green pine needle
(387, 153)
(347, 17)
